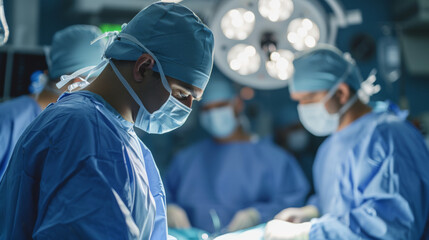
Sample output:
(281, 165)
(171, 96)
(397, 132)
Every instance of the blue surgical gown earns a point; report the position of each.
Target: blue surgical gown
(371, 181)
(230, 177)
(80, 172)
(15, 116)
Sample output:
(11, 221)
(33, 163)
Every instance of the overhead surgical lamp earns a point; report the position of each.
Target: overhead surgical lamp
(255, 40)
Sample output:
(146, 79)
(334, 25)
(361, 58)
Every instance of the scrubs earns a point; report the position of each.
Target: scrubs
(371, 181)
(15, 116)
(226, 178)
(80, 172)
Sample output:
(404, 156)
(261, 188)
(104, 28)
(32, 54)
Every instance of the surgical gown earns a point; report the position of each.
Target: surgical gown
(226, 178)
(15, 116)
(371, 181)
(80, 172)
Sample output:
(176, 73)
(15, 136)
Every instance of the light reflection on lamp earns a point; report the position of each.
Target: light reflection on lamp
(238, 23)
(275, 10)
(280, 64)
(303, 34)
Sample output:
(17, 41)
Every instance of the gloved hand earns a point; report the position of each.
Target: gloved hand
(281, 230)
(298, 215)
(244, 219)
(176, 217)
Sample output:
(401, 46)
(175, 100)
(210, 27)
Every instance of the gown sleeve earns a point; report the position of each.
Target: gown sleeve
(83, 205)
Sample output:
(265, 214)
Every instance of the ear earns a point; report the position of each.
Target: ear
(343, 93)
(144, 63)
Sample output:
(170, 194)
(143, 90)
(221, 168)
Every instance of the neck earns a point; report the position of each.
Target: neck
(357, 110)
(108, 86)
(239, 135)
(45, 98)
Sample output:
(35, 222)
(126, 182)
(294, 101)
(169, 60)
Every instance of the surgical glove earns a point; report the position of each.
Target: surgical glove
(298, 215)
(244, 219)
(281, 230)
(176, 217)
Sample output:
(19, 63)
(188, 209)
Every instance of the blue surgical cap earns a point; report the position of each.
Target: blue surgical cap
(219, 89)
(323, 67)
(176, 36)
(71, 50)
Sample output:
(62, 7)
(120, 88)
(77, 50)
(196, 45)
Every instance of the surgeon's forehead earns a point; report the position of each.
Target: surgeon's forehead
(308, 96)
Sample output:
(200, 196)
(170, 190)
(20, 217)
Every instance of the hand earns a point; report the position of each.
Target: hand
(298, 215)
(281, 230)
(244, 219)
(176, 217)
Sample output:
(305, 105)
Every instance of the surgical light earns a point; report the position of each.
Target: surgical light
(256, 40)
(244, 59)
(275, 10)
(303, 34)
(280, 64)
(238, 23)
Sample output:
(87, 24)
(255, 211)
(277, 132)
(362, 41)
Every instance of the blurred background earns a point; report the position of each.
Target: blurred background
(391, 36)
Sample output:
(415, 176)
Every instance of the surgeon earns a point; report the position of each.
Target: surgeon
(70, 51)
(370, 175)
(79, 171)
(232, 180)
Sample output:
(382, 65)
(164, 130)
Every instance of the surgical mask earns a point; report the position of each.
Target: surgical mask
(171, 115)
(298, 140)
(219, 122)
(317, 120)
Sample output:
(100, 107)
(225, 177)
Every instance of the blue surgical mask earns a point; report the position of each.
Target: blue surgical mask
(219, 122)
(171, 115)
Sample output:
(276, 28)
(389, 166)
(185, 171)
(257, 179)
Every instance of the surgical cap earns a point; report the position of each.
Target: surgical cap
(219, 89)
(71, 50)
(323, 67)
(176, 36)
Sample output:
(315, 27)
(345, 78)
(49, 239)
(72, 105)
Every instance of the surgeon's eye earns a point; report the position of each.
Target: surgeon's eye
(181, 95)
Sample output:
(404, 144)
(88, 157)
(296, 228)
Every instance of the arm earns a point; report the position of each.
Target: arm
(379, 214)
(83, 205)
(387, 190)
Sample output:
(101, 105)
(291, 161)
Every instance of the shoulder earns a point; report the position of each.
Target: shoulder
(17, 107)
(16, 102)
(392, 136)
(74, 117)
(389, 127)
